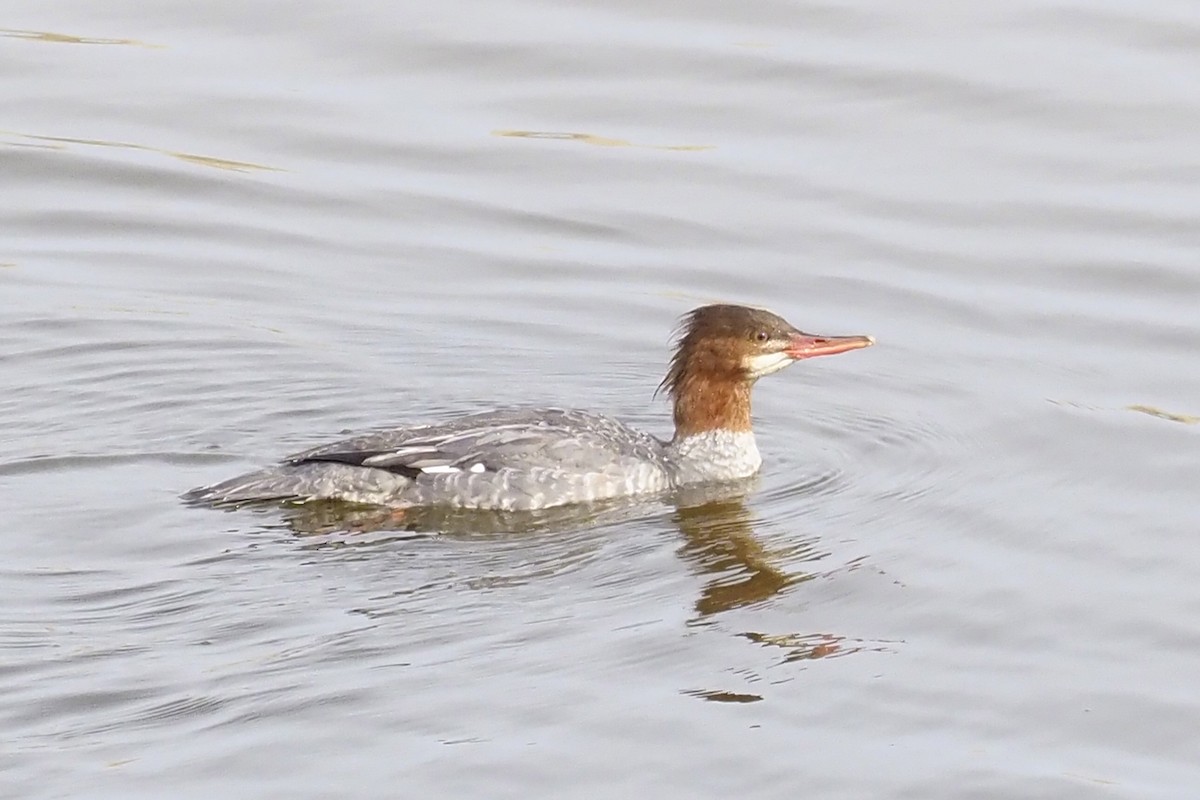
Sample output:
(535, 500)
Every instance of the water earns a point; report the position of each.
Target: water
(967, 570)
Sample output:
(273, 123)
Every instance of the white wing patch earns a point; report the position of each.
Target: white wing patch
(443, 469)
(429, 460)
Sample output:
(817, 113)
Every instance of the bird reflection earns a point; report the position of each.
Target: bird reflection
(308, 519)
(717, 526)
(720, 542)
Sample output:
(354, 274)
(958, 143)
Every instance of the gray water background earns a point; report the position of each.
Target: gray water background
(232, 230)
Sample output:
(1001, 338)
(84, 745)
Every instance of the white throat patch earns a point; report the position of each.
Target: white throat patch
(765, 363)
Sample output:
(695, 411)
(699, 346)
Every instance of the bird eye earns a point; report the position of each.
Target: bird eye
(762, 336)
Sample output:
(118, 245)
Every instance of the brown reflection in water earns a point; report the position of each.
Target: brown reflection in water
(797, 647)
(720, 541)
(64, 38)
(809, 646)
(1154, 411)
(598, 141)
(60, 142)
(719, 696)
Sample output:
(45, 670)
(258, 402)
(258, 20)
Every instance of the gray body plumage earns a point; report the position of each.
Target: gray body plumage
(509, 460)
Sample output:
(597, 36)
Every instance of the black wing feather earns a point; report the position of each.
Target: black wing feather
(357, 458)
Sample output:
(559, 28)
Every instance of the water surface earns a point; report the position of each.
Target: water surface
(967, 570)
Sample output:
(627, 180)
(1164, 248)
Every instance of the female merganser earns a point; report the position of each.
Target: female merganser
(523, 459)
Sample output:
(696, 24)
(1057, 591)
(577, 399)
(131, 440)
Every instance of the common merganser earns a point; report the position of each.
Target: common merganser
(524, 459)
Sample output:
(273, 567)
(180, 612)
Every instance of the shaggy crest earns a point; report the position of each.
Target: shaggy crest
(722, 326)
